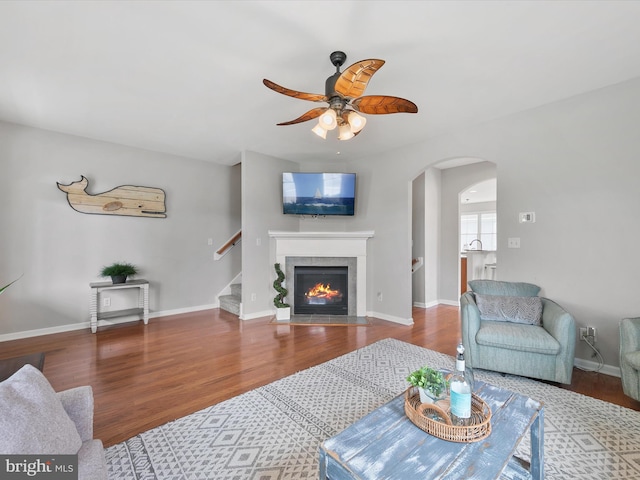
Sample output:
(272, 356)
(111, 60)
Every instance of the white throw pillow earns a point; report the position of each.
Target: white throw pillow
(32, 419)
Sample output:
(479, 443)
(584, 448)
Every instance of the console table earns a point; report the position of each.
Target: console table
(385, 444)
(143, 301)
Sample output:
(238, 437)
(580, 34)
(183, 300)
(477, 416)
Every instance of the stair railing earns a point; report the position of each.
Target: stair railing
(229, 244)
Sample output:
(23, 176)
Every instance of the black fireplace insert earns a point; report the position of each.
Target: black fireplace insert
(321, 290)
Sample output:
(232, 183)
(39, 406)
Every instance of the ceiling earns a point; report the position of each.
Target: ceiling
(486, 191)
(185, 77)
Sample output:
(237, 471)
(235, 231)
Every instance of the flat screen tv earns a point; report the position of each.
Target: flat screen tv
(306, 193)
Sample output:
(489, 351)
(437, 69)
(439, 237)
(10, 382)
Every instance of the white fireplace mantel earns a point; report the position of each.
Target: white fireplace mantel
(278, 234)
(328, 244)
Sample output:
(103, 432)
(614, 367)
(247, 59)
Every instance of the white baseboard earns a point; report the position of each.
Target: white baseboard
(592, 366)
(453, 303)
(87, 324)
(253, 316)
(391, 318)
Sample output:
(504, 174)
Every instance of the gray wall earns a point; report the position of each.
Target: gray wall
(418, 241)
(60, 251)
(433, 229)
(574, 163)
(261, 212)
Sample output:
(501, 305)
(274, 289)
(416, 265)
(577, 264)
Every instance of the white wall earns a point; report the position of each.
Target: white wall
(574, 163)
(60, 251)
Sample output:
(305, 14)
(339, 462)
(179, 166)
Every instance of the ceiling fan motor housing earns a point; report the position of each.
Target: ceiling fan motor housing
(338, 58)
(336, 101)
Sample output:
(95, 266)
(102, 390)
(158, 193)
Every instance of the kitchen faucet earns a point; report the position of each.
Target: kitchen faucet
(475, 240)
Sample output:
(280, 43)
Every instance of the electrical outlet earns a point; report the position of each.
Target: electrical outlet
(253, 297)
(513, 242)
(379, 296)
(106, 302)
(588, 334)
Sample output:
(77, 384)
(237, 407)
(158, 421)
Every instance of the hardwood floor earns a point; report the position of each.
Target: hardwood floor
(144, 376)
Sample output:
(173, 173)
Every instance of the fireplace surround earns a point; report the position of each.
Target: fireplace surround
(326, 249)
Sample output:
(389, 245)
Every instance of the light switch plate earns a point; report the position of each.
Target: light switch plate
(527, 217)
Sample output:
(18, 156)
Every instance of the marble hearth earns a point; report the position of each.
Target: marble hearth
(326, 249)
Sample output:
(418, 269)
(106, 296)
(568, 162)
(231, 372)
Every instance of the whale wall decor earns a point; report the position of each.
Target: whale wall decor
(127, 200)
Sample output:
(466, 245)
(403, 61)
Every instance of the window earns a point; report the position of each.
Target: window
(482, 226)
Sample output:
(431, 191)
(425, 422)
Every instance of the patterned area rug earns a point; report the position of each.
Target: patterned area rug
(274, 432)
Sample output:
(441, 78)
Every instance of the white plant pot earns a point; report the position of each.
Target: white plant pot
(283, 313)
(426, 396)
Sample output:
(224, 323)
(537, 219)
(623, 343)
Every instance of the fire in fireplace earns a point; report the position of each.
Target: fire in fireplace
(321, 290)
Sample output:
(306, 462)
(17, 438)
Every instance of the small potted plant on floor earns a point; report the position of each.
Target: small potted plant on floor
(283, 310)
(430, 383)
(118, 272)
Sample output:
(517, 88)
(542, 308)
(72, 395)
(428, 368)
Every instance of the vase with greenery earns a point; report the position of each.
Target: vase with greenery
(430, 382)
(118, 271)
(283, 310)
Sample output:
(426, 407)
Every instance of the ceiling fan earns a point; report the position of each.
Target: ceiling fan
(343, 93)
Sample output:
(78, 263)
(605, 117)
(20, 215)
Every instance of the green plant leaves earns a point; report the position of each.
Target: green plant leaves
(429, 379)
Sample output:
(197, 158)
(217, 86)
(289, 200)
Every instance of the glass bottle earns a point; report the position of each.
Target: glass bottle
(461, 385)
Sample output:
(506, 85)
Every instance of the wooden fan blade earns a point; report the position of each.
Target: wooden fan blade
(310, 115)
(353, 81)
(313, 97)
(382, 104)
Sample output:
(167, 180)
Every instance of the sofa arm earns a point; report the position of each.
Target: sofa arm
(629, 335)
(469, 326)
(558, 322)
(78, 403)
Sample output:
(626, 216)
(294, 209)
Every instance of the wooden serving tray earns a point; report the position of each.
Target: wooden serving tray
(434, 419)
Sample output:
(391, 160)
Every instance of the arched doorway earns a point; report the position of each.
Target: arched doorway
(478, 237)
(436, 227)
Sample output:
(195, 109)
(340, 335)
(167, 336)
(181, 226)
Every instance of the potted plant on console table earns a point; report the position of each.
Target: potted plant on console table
(283, 310)
(118, 272)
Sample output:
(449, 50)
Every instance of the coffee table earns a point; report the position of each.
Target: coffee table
(385, 444)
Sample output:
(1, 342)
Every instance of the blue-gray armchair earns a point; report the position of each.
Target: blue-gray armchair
(508, 328)
(630, 356)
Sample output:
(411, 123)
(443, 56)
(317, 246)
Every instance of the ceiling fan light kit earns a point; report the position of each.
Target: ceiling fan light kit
(342, 90)
(321, 132)
(328, 120)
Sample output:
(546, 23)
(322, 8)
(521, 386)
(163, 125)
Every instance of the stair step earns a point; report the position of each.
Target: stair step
(236, 289)
(230, 303)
